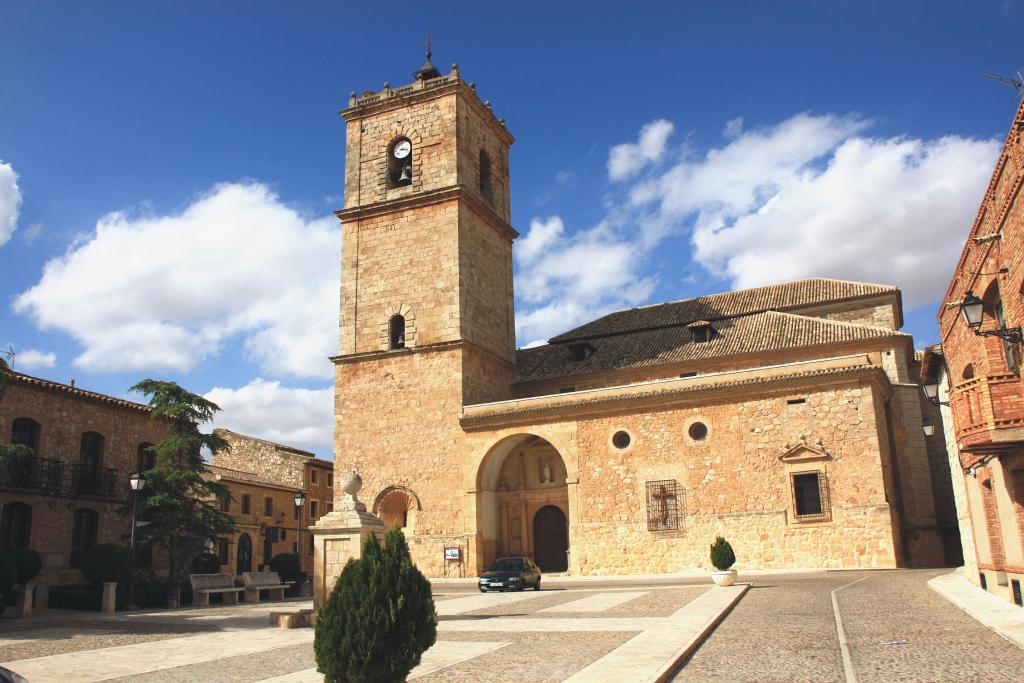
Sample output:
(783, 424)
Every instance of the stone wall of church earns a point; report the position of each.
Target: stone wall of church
(404, 258)
(431, 128)
(485, 286)
(397, 425)
(735, 485)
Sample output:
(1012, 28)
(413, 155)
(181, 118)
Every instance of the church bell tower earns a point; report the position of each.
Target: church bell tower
(427, 244)
(427, 323)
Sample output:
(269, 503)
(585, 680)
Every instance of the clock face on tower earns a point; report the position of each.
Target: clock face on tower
(402, 149)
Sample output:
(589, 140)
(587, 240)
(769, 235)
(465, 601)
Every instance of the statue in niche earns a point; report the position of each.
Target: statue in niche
(546, 473)
(503, 485)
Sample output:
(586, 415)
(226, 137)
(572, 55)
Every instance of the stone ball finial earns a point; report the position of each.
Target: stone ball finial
(351, 483)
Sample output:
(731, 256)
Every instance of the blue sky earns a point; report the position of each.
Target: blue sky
(174, 167)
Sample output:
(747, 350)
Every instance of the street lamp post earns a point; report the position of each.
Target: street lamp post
(300, 500)
(137, 480)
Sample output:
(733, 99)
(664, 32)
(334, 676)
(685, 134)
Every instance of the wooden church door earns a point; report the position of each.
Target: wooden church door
(550, 539)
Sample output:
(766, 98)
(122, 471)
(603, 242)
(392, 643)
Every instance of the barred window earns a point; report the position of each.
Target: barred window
(664, 502)
(246, 503)
(268, 506)
(810, 495)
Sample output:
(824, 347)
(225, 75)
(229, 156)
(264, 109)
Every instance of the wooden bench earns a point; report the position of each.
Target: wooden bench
(203, 585)
(264, 581)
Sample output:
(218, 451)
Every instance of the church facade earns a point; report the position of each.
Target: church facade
(786, 418)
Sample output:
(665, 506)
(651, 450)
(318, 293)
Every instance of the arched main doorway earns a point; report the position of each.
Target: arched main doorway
(550, 539)
(244, 560)
(519, 478)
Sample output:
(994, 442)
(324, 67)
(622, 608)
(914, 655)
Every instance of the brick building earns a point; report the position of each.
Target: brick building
(982, 371)
(67, 497)
(787, 418)
(263, 478)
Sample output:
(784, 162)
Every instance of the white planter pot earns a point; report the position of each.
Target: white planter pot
(726, 578)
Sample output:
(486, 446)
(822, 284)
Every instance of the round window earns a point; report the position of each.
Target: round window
(621, 439)
(698, 431)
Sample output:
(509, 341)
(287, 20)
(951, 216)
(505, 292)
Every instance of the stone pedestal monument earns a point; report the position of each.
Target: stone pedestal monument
(339, 536)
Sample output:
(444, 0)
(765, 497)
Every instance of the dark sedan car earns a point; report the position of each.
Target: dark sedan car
(510, 574)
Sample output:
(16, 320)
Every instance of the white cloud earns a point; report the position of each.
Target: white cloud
(165, 292)
(890, 211)
(813, 196)
(566, 280)
(32, 233)
(10, 202)
(733, 128)
(302, 418)
(626, 159)
(32, 359)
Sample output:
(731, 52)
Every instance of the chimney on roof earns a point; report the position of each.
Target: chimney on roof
(72, 383)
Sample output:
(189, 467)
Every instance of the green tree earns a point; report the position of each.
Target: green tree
(179, 498)
(379, 618)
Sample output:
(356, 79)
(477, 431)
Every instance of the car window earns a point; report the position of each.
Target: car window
(506, 565)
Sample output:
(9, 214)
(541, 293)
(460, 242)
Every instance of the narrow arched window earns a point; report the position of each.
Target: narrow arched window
(397, 332)
(485, 174)
(145, 457)
(91, 452)
(400, 162)
(25, 431)
(83, 534)
(1011, 352)
(15, 526)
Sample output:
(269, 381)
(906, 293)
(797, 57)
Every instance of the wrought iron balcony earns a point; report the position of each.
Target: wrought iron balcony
(36, 473)
(87, 480)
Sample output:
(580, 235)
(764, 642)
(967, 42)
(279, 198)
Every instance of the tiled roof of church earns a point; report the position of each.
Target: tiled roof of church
(782, 297)
(744, 334)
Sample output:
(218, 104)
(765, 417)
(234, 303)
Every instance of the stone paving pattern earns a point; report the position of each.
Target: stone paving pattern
(784, 630)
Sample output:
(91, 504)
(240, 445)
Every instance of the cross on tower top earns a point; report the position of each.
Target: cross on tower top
(428, 70)
(428, 45)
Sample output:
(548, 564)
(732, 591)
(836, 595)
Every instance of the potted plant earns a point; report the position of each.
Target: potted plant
(723, 558)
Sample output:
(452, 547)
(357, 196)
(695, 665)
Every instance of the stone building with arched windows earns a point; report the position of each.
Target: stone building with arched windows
(67, 496)
(786, 418)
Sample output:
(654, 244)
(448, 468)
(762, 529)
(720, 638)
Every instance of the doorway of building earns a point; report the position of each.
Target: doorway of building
(550, 539)
(244, 560)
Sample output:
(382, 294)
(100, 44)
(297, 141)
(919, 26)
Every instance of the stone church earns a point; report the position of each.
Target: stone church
(785, 418)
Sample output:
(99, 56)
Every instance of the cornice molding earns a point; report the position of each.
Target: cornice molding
(675, 394)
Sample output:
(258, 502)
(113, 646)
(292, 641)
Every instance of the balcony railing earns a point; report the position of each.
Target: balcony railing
(37, 473)
(87, 480)
(59, 478)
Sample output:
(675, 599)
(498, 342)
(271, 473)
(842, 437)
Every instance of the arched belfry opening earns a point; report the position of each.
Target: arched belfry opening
(396, 332)
(523, 503)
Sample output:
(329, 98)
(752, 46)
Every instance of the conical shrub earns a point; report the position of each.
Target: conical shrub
(722, 555)
(379, 619)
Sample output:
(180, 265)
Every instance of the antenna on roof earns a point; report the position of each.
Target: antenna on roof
(1016, 81)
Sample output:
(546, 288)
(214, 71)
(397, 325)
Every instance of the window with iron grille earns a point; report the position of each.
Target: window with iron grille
(664, 504)
(810, 495)
(268, 506)
(222, 550)
(246, 503)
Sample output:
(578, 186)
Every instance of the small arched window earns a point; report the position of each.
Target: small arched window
(485, 174)
(400, 162)
(145, 457)
(396, 332)
(91, 452)
(968, 371)
(394, 508)
(25, 431)
(1011, 352)
(15, 526)
(83, 534)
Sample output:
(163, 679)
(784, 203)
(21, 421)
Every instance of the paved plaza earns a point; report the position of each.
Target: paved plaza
(784, 628)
